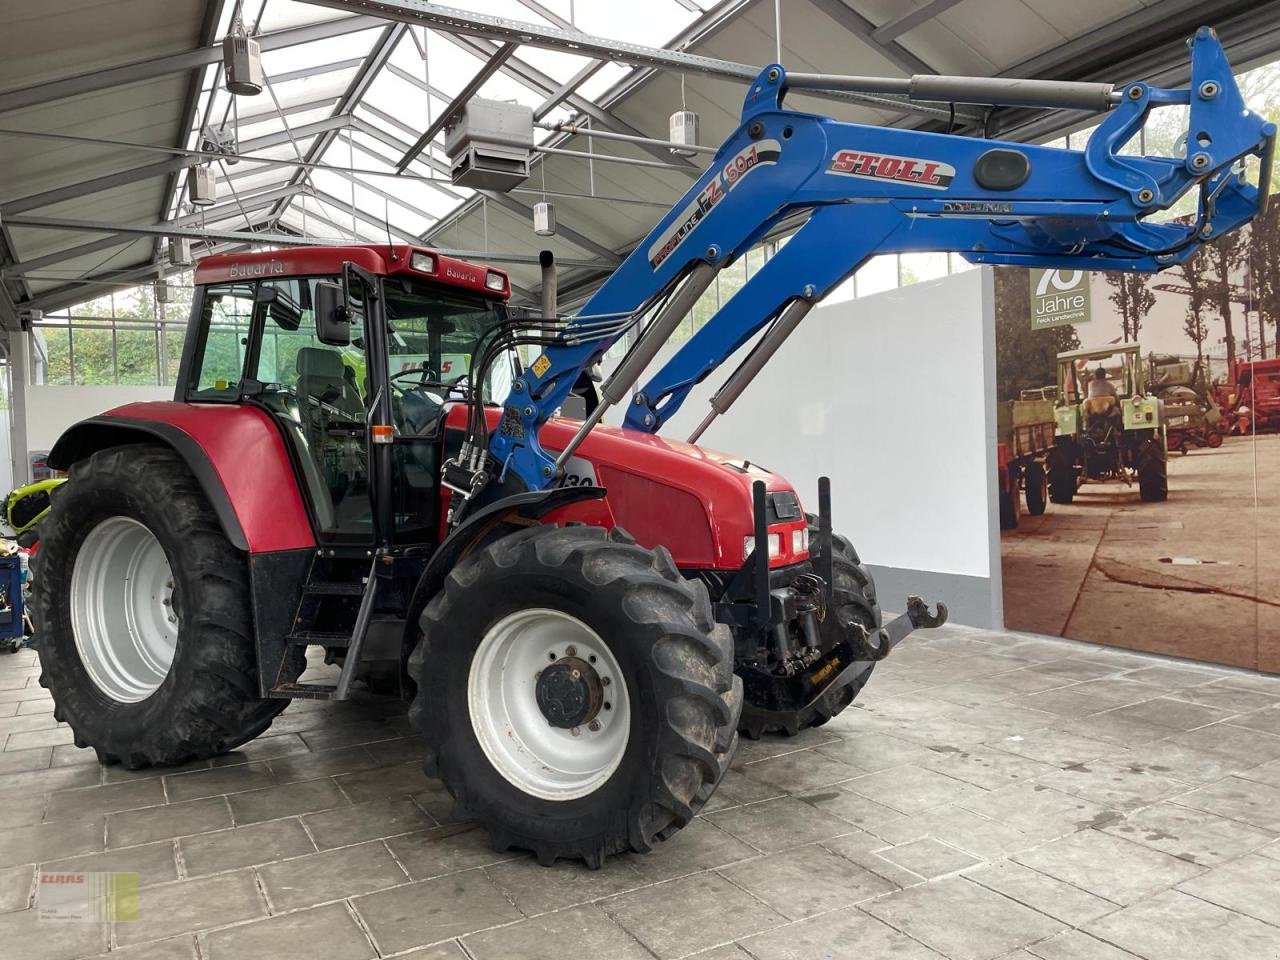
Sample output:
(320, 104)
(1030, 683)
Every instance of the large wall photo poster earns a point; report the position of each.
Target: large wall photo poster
(1138, 422)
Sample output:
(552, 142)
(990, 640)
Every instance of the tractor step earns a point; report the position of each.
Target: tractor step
(334, 589)
(309, 610)
(318, 638)
(305, 691)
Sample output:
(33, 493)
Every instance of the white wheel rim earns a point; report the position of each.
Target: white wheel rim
(546, 761)
(122, 612)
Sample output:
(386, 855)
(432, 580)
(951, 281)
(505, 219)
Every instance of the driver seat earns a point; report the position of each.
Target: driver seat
(1099, 406)
(323, 378)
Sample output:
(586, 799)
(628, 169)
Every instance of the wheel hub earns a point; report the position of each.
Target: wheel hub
(569, 693)
(124, 609)
(548, 704)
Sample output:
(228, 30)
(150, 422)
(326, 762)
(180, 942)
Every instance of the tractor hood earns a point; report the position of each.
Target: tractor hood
(694, 501)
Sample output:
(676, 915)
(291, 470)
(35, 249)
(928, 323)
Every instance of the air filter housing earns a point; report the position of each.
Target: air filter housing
(202, 186)
(490, 144)
(242, 65)
(684, 129)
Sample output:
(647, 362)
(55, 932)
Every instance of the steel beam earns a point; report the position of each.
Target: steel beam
(372, 63)
(167, 229)
(253, 201)
(454, 107)
(910, 19)
(450, 20)
(568, 88)
(862, 28)
(175, 63)
(190, 109)
(134, 174)
(577, 238)
(366, 218)
(315, 70)
(536, 80)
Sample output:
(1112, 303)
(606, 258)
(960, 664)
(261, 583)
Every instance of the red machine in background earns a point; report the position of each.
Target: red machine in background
(1251, 399)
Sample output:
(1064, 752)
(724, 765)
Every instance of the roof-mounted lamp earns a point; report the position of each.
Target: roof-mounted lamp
(241, 62)
(684, 130)
(202, 186)
(544, 219)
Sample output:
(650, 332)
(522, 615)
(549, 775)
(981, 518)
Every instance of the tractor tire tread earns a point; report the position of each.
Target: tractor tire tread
(209, 703)
(689, 666)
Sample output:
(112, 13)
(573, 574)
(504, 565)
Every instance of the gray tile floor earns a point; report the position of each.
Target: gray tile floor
(992, 796)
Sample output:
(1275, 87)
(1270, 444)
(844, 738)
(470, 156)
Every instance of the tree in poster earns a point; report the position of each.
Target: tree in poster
(1224, 257)
(1133, 298)
(1195, 324)
(1264, 271)
(1025, 358)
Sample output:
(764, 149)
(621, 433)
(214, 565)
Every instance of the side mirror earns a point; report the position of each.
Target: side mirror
(333, 317)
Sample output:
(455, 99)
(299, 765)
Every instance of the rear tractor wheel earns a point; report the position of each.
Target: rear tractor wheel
(142, 607)
(855, 601)
(1035, 482)
(1063, 479)
(575, 693)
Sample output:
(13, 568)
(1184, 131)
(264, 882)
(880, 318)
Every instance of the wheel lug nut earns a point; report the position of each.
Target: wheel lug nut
(605, 681)
(593, 726)
(570, 651)
(575, 731)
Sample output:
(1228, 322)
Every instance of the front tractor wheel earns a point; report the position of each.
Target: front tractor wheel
(575, 693)
(1153, 471)
(143, 616)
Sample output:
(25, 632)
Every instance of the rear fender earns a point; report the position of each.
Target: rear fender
(236, 454)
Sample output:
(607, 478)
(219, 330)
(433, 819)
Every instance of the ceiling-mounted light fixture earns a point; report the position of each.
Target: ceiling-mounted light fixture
(241, 61)
(544, 219)
(684, 126)
(202, 186)
(220, 141)
(684, 130)
(179, 251)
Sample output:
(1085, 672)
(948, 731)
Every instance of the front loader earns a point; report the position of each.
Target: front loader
(584, 617)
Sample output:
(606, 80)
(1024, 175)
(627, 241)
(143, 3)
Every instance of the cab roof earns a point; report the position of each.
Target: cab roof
(380, 259)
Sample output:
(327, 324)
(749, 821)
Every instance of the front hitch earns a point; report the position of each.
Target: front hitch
(877, 644)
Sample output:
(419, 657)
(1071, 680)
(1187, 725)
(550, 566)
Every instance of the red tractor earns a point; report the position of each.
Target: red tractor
(570, 657)
(584, 617)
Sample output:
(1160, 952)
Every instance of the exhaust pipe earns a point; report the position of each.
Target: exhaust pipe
(550, 293)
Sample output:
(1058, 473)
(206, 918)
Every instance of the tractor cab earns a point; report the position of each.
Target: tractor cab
(343, 344)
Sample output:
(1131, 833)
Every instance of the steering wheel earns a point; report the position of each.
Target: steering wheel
(424, 374)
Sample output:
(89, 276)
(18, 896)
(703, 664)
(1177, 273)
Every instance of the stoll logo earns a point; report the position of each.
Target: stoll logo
(263, 268)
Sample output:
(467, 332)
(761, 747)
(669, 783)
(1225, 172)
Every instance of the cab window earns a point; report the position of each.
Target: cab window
(220, 354)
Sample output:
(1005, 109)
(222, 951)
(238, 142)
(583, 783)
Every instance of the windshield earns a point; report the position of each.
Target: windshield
(433, 334)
